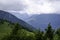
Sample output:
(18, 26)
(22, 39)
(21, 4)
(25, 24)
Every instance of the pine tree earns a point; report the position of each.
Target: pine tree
(49, 32)
(13, 35)
(39, 35)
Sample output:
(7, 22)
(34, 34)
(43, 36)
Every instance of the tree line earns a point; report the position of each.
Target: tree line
(19, 33)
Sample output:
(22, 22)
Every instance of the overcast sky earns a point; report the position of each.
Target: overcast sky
(31, 6)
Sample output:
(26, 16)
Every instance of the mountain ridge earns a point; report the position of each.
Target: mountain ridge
(8, 16)
(42, 21)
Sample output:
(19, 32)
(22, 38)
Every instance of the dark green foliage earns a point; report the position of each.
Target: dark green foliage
(14, 31)
(1, 21)
(39, 35)
(49, 32)
(58, 33)
(13, 35)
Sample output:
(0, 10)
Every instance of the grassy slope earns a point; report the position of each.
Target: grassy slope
(5, 29)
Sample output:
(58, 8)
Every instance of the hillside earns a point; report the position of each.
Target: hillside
(42, 20)
(15, 31)
(6, 28)
(8, 16)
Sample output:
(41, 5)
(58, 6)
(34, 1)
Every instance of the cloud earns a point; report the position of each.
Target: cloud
(11, 5)
(31, 6)
(39, 6)
(56, 5)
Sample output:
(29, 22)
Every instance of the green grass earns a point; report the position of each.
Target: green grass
(5, 29)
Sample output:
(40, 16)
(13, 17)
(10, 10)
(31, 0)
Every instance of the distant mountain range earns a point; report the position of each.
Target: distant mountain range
(41, 21)
(38, 21)
(8, 16)
(22, 16)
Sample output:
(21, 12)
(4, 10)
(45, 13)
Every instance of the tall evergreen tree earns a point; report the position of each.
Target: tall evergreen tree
(39, 35)
(49, 32)
(13, 35)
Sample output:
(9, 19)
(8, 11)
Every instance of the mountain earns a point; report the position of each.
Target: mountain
(22, 16)
(35, 21)
(41, 21)
(8, 16)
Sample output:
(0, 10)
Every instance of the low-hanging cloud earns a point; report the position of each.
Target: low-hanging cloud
(31, 6)
(11, 5)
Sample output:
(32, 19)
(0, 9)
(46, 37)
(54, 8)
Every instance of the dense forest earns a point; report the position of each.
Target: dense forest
(15, 31)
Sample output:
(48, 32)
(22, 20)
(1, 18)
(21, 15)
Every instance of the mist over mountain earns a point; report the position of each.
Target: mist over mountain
(22, 16)
(37, 20)
(41, 21)
(12, 18)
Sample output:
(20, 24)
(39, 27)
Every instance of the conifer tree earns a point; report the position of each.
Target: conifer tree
(13, 35)
(49, 32)
(39, 35)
